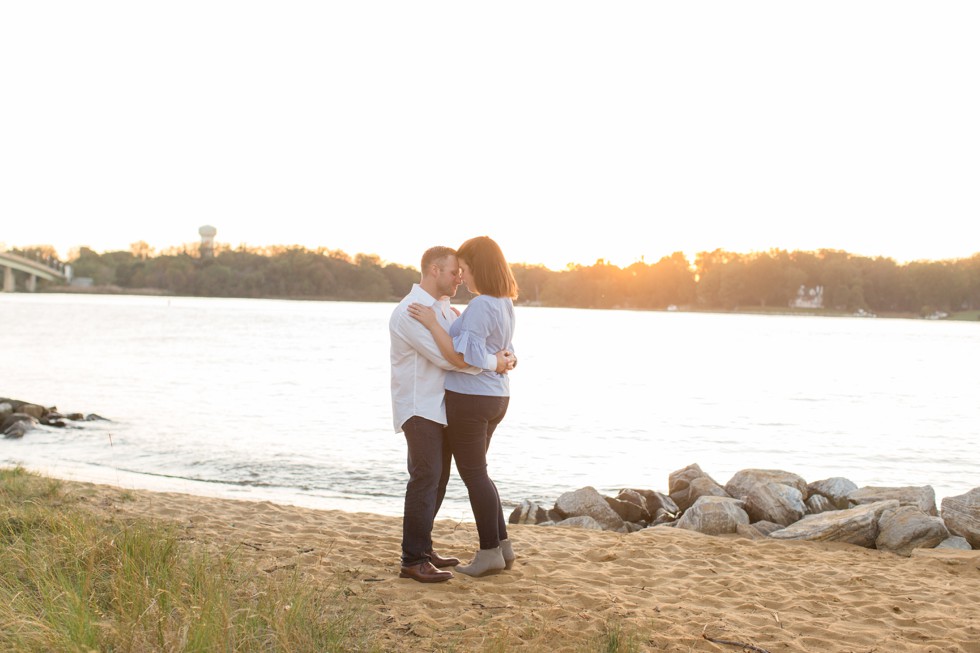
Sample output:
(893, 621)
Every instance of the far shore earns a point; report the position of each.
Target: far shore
(962, 316)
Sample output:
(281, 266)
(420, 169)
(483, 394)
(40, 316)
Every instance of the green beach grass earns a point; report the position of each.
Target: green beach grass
(71, 581)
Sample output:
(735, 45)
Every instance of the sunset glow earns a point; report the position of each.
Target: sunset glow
(567, 132)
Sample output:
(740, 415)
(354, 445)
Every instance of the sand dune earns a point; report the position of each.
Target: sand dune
(666, 587)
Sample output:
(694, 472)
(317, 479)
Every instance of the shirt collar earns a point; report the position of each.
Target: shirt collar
(424, 297)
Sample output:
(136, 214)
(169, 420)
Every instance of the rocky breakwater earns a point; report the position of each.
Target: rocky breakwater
(19, 417)
(761, 503)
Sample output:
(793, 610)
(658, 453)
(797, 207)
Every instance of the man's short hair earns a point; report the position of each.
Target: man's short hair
(434, 254)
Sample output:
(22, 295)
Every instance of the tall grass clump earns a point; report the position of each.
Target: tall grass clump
(71, 581)
(614, 638)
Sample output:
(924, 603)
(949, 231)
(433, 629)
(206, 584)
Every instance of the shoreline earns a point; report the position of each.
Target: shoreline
(289, 496)
(662, 588)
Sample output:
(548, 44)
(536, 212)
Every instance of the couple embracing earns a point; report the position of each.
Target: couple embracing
(449, 391)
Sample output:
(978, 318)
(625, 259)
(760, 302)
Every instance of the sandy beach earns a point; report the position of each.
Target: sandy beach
(667, 588)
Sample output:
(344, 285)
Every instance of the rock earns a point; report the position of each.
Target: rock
(706, 487)
(714, 516)
(680, 489)
(582, 521)
(962, 516)
(855, 525)
(760, 530)
(836, 489)
(75, 417)
(627, 510)
(742, 483)
(53, 418)
(955, 542)
(636, 498)
(92, 417)
(17, 424)
(818, 503)
(750, 531)
(6, 408)
(14, 403)
(587, 502)
(531, 512)
(35, 411)
(775, 502)
(767, 528)
(657, 501)
(17, 430)
(922, 497)
(664, 517)
(907, 528)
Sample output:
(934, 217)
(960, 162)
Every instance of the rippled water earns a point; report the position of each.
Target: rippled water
(289, 401)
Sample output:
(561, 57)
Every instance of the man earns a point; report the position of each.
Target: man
(418, 373)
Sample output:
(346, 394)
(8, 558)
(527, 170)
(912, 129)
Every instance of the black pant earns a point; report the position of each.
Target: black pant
(428, 475)
(472, 421)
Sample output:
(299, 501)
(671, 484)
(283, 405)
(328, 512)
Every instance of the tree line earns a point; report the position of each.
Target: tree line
(717, 280)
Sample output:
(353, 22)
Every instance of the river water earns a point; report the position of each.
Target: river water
(289, 401)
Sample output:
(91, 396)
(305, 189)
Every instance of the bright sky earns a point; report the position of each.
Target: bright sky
(568, 131)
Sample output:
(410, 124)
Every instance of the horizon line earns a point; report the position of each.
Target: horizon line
(689, 256)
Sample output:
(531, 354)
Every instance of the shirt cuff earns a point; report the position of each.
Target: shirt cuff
(491, 363)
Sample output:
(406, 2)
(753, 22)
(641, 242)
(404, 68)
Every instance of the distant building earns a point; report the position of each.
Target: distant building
(808, 297)
(207, 233)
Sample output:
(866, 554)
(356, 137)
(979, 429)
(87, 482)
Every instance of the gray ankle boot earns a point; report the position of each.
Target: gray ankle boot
(508, 552)
(486, 560)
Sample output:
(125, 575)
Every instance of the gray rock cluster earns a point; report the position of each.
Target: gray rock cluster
(18, 417)
(761, 503)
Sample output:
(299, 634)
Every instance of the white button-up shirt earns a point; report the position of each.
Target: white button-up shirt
(418, 369)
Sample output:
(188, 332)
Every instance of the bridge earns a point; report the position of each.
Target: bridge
(34, 268)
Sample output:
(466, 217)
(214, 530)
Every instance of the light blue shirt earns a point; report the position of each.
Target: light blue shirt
(484, 328)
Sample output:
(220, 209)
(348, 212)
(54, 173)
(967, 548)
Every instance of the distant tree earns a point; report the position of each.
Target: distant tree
(531, 280)
(400, 279)
(718, 279)
(38, 252)
(141, 250)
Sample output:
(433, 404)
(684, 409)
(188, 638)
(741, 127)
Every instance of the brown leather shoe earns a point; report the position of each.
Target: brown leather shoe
(438, 561)
(424, 572)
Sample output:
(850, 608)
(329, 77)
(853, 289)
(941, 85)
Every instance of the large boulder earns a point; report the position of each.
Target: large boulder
(854, 526)
(836, 489)
(17, 424)
(6, 408)
(684, 491)
(924, 497)
(775, 502)
(962, 516)
(907, 528)
(587, 502)
(714, 516)
(740, 485)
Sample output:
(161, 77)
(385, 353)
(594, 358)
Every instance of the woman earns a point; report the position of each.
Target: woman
(476, 404)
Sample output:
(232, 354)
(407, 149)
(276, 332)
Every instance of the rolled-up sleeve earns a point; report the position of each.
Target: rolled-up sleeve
(471, 341)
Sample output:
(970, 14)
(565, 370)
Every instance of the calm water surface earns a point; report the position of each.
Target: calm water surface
(289, 401)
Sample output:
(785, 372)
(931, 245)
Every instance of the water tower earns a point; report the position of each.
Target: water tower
(207, 240)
